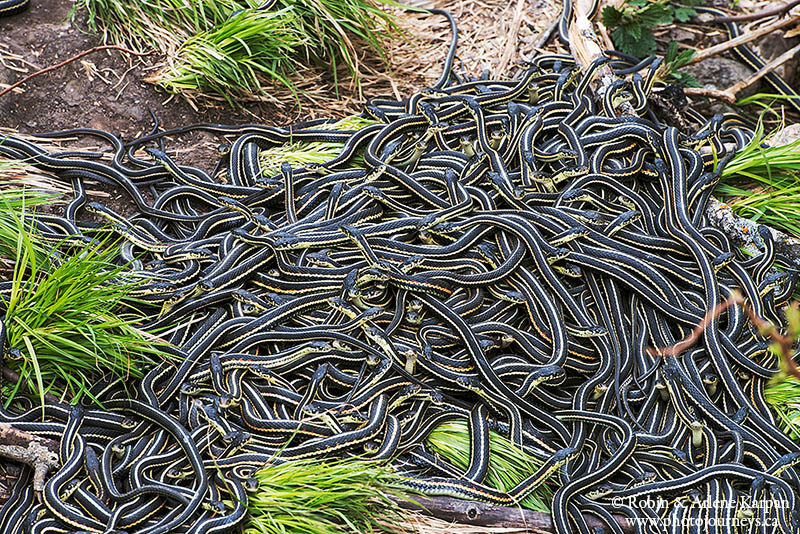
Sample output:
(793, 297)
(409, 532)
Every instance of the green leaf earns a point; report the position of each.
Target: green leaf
(684, 58)
(641, 46)
(686, 79)
(637, 3)
(612, 17)
(684, 14)
(655, 14)
(634, 30)
(671, 52)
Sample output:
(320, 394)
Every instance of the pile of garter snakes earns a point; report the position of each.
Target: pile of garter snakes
(506, 253)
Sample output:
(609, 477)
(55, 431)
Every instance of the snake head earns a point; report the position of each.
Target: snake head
(269, 183)
(722, 260)
(472, 105)
(94, 207)
(765, 233)
(558, 254)
(191, 388)
(13, 353)
(446, 227)
(287, 242)
(158, 155)
(373, 192)
(564, 454)
(575, 195)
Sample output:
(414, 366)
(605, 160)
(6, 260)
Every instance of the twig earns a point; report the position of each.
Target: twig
(545, 36)
(70, 60)
(764, 13)
(689, 341)
(511, 42)
(766, 69)
(711, 93)
(585, 46)
(784, 343)
(742, 39)
(745, 232)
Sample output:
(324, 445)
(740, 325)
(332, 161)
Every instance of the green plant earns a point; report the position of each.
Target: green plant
(301, 152)
(508, 465)
(232, 47)
(633, 23)
(325, 497)
(233, 57)
(782, 394)
(762, 183)
(675, 60)
(784, 398)
(64, 313)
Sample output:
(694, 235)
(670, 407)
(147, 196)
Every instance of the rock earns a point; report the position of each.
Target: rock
(722, 73)
(774, 44)
(681, 35)
(785, 135)
(73, 92)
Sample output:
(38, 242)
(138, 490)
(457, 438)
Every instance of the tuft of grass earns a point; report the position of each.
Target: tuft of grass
(324, 497)
(762, 183)
(231, 47)
(64, 313)
(508, 465)
(784, 399)
(234, 56)
(298, 153)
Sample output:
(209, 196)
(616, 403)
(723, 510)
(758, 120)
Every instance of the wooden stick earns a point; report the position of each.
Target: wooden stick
(711, 93)
(67, 61)
(745, 232)
(476, 513)
(742, 39)
(764, 13)
(688, 342)
(511, 42)
(39, 453)
(766, 69)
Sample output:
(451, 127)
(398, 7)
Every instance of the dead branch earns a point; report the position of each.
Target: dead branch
(723, 95)
(745, 232)
(766, 328)
(688, 342)
(744, 38)
(39, 453)
(13, 377)
(764, 13)
(766, 69)
(475, 513)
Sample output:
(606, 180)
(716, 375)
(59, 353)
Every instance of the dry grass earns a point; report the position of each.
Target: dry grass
(488, 32)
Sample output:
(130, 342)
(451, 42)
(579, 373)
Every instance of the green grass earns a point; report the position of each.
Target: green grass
(763, 184)
(64, 312)
(233, 57)
(508, 465)
(301, 152)
(324, 497)
(784, 398)
(231, 48)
